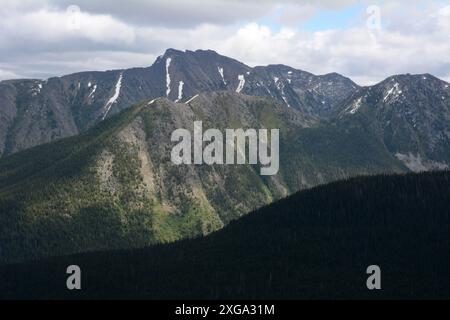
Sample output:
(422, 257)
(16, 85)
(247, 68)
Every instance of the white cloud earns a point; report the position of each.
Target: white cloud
(6, 74)
(50, 26)
(365, 56)
(35, 41)
(445, 11)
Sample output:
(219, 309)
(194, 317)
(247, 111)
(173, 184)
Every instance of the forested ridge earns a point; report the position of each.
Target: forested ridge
(314, 244)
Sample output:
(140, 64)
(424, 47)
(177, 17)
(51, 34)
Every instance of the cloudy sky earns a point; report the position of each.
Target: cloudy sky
(365, 40)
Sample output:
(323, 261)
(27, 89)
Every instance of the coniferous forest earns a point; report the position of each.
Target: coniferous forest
(314, 244)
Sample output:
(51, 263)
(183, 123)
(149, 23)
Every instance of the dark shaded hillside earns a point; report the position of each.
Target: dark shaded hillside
(314, 244)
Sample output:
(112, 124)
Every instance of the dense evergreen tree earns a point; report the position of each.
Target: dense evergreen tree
(313, 244)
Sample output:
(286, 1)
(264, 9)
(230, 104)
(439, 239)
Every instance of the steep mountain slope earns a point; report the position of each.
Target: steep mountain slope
(411, 113)
(313, 245)
(116, 187)
(36, 111)
(33, 112)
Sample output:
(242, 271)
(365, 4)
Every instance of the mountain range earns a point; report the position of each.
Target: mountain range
(86, 157)
(36, 111)
(39, 111)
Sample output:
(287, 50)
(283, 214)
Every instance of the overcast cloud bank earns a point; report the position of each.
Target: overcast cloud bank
(43, 38)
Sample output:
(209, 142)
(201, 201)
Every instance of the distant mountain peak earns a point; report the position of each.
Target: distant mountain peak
(171, 51)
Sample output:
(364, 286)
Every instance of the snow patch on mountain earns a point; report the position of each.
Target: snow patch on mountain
(115, 96)
(280, 87)
(191, 99)
(289, 80)
(180, 91)
(417, 164)
(36, 90)
(168, 62)
(93, 91)
(285, 99)
(241, 84)
(393, 93)
(354, 107)
(220, 69)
